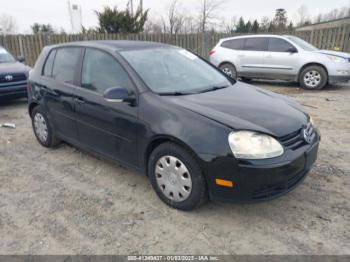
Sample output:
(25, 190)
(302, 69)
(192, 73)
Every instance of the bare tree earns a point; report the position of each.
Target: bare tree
(207, 12)
(175, 19)
(265, 23)
(154, 26)
(303, 15)
(189, 25)
(7, 24)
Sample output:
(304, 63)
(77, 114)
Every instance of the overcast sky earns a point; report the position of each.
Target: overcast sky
(55, 12)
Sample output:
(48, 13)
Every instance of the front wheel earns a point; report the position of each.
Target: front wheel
(313, 78)
(176, 177)
(229, 70)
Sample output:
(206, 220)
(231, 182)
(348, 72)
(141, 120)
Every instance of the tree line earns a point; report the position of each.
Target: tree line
(175, 20)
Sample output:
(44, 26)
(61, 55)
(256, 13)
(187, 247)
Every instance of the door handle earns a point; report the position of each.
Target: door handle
(79, 101)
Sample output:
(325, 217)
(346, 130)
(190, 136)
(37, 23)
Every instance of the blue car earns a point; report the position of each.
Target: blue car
(13, 76)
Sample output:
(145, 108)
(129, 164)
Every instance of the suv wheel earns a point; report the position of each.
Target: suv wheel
(42, 128)
(229, 70)
(176, 177)
(313, 78)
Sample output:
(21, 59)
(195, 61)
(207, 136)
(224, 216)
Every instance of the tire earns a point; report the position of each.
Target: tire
(165, 182)
(229, 69)
(40, 123)
(313, 78)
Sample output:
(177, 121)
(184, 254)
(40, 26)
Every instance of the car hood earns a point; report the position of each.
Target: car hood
(335, 53)
(12, 68)
(244, 107)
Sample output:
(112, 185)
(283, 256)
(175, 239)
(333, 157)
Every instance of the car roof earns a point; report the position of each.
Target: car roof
(118, 45)
(250, 36)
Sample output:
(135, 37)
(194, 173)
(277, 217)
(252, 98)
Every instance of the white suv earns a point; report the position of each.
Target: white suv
(280, 57)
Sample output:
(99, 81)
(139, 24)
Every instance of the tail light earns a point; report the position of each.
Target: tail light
(212, 52)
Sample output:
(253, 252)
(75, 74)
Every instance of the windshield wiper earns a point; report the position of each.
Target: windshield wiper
(177, 93)
(213, 88)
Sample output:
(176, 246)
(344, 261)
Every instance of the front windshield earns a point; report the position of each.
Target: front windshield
(302, 44)
(174, 70)
(6, 57)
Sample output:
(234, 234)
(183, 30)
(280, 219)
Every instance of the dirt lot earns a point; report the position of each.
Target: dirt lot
(64, 201)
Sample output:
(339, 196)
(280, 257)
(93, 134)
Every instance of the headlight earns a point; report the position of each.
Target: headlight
(312, 121)
(336, 59)
(253, 145)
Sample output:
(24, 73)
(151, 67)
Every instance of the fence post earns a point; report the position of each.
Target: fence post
(20, 43)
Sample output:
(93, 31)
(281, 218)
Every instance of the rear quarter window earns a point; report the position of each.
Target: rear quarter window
(47, 70)
(235, 44)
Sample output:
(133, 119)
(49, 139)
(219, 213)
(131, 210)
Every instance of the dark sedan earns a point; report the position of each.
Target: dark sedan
(195, 132)
(13, 76)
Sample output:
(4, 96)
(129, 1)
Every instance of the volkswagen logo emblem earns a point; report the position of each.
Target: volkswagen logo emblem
(306, 136)
(9, 78)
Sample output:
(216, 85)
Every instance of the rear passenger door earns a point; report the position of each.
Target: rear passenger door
(59, 80)
(281, 61)
(106, 127)
(252, 58)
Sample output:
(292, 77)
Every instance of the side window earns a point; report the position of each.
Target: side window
(279, 45)
(47, 71)
(256, 44)
(65, 64)
(235, 44)
(102, 71)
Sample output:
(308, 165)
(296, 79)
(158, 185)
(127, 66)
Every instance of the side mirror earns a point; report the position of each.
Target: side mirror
(20, 59)
(118, 95)
(292, 50)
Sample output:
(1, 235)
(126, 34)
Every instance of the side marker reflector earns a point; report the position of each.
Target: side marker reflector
(222, 182)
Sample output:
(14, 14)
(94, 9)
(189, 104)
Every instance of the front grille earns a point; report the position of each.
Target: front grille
(15, 78)
(275, 190)
(296, 139)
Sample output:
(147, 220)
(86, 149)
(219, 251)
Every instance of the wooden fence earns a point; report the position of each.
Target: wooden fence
(30, 46)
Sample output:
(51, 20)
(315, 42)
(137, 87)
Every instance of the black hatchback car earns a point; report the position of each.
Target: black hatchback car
(13, 76)
(195, 132)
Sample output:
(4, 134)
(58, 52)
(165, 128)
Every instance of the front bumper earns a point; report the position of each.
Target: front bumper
(11, 92)
(260, 179)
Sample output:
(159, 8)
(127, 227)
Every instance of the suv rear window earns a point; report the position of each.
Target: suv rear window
(65, 64)
(235, 44)
(256, 44)
(279, 45)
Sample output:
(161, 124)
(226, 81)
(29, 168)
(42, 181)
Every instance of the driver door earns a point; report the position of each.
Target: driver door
(106, 127)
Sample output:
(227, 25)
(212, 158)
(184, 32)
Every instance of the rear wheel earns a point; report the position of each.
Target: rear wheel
(176, 177)
(42, 128)
(229, 70)
(313, 78)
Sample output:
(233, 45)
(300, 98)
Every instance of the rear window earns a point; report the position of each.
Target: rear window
(47, 71)
(255, 44)
(65, 64)
(235, 44)
(279, 45)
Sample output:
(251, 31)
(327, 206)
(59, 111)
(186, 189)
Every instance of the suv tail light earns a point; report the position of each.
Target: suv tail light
(212, 52)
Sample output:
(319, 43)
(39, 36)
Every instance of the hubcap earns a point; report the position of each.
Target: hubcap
(40, 127)
(173, 178)
(227, 71)
(312, 79)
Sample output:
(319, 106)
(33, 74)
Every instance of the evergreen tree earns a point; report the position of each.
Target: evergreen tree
(241, 26)
(255, 26)
(115, 21)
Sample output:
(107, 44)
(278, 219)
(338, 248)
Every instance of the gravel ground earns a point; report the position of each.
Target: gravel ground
(64, 201)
